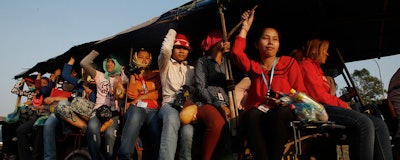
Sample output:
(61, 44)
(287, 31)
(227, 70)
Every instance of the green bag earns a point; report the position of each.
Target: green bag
(40, 121)
(13, 117)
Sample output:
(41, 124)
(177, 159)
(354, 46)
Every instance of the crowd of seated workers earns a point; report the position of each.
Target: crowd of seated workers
(123, 109)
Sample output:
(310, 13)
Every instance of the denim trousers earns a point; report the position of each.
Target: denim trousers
(49, 134)
(49, 137)
(368, 135)
(94, 138)
(171, 125)
(134, 119)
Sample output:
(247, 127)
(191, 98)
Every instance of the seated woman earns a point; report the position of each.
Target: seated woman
(144, 91)
(210, 75)
(266, 125)
(25, 130)
(107, 105)
(8, 128)
(76, 113)
(368, 135)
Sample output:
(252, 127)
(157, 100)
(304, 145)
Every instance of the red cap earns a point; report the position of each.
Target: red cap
(182, 41)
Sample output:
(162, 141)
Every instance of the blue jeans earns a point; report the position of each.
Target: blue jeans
(49, 137)
(382, 144)
(135, 118)
(368, 136)
(94, 138)
(49, 134)
(169, 135)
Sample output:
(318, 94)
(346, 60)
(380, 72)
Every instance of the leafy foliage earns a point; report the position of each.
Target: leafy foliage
(369, 87)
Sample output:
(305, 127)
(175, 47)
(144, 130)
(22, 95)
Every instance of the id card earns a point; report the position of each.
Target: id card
(263, 108)
(142, 104)
(220, 96)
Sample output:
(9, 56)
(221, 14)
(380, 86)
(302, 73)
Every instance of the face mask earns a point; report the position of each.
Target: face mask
(31, 89)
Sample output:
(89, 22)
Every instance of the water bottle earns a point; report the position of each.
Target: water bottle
(302, 97)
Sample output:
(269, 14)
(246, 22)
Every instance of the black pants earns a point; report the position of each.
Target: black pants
(28, 136)
(267, 133)
(8, 133)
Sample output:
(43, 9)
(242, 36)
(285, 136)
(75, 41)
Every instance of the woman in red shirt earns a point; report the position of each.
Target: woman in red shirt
(368, 135)
(266, 125)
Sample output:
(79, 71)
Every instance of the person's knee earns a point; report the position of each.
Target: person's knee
(50, 124)
(93, 129)
(171, 120)
(187, 132)
(122, 152)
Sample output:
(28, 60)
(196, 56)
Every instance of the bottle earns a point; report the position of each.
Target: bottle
(302, 97)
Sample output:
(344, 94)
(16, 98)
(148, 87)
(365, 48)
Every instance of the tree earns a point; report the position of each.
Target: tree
(369, 87)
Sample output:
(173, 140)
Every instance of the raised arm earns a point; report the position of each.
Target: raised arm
(66, 72)
(239, 57)
(86, 63)
(166, 49)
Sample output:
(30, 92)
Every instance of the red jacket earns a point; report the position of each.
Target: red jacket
(287, 75)
(317, 85)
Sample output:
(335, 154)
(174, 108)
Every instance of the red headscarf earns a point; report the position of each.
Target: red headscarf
(213, 37)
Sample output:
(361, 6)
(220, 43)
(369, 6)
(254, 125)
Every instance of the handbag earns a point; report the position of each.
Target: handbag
(82, 106)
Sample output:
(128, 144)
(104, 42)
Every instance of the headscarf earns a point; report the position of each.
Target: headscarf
(137, 62)
(117, 68)
(213, 37)
(30, 79)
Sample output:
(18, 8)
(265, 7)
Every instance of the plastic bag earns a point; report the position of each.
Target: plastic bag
(305, 112)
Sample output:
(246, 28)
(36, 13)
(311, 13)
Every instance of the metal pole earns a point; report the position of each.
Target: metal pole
(380, 76)
(228, 76)
(349, 76)
(234, 121)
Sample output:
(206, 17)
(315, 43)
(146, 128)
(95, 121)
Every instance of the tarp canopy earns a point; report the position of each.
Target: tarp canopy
(359, 29)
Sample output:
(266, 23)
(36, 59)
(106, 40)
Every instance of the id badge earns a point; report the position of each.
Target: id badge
(220, 96)
(142, 104)
(263, 108)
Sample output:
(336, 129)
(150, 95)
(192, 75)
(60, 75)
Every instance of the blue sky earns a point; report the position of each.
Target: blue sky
(34, 31)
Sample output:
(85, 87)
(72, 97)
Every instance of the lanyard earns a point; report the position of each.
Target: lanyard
(143, 85)
(270, 78)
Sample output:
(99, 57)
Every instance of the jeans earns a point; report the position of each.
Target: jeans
(368, 136)
(94, 138)
(49, 137)
(382, 144)
(135, 118)
(49, 134)
(169, 135)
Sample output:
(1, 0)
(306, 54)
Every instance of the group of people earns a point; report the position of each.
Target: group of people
(155, 99)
